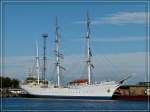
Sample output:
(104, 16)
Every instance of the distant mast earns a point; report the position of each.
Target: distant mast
(89, 54)
(44, 56)
(37, 62)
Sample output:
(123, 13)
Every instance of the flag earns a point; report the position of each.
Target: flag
(90, 53)
(92, 65)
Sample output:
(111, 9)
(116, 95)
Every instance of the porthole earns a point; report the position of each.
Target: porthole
(108, 90)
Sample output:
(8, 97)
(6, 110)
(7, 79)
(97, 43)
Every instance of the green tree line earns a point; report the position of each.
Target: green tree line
(6, 82)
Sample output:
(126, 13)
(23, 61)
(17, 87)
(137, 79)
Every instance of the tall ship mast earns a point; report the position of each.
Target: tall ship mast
(89, 54)
(57, 52)
(37, 63)
(78, 89)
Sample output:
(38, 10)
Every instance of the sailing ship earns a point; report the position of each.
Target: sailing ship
(77, 89)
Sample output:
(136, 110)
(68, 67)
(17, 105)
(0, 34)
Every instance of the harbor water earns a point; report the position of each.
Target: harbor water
(45, 104)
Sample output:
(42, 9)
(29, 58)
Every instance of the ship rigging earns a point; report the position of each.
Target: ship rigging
(78, 89)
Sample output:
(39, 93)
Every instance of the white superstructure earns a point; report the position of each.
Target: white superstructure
(77, 89)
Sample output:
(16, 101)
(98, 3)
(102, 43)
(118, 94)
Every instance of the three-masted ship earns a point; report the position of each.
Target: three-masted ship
(77, 89)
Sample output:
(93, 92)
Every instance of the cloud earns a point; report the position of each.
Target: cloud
(121, 18)
(107, 66)
(115, 39)
(16, 66)
(122, 39)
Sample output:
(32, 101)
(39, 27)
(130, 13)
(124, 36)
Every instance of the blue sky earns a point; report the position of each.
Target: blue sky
(117, 28)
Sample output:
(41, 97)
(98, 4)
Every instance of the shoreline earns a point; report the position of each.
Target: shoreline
(5, 93)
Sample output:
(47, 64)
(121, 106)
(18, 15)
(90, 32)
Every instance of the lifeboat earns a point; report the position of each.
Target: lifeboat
(79, 81)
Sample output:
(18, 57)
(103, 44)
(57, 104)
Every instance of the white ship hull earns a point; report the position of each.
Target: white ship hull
(96, 91)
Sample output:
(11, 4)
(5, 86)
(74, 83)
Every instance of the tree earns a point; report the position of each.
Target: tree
(6, 82)
(14, 83)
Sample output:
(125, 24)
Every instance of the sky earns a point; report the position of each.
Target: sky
(118, 38)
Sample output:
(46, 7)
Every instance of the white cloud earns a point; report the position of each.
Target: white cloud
(114, 39)
(121, 18)
(122, 39)
(124, 18)
(108, 66)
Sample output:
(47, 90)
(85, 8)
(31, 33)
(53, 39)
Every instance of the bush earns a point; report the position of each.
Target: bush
(6, 82)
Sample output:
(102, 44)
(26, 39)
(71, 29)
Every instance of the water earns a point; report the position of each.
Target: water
(36, 104)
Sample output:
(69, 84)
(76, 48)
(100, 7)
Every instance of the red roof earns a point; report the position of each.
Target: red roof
(80, 81)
